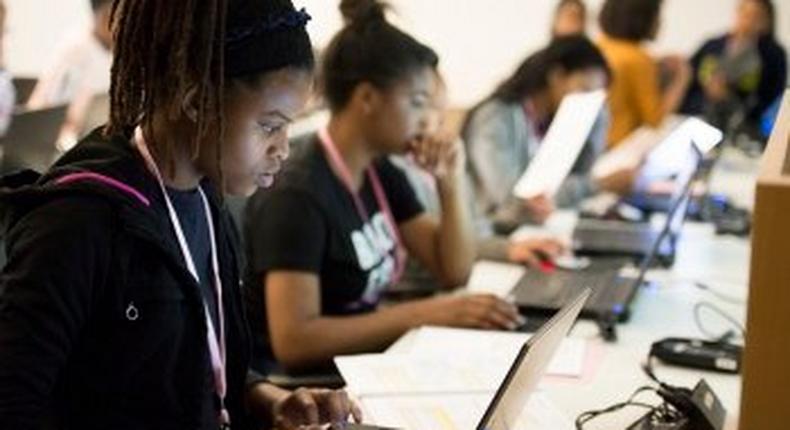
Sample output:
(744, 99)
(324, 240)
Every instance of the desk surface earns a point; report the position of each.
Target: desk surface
(664, 310)
(667, 309)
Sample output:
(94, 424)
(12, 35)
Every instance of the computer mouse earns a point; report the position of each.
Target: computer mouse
(572, 262)
(630, 213)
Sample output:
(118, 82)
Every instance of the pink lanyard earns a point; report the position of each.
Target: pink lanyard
(216, 342)
(529, 114)
(341, 171)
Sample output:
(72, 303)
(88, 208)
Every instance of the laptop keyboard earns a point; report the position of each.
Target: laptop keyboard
(553, 290)
(562, 286)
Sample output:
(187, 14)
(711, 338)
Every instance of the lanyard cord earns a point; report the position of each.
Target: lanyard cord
(341, 170)
(216, 339)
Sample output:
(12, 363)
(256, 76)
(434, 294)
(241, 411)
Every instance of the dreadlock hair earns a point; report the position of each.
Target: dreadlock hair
(169, 51)
(164, 50)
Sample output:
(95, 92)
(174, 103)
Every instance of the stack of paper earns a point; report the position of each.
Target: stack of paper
(382, 374)
(458, 412)
(444, 378)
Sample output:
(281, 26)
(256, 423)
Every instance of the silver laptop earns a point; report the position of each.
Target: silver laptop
(526, 371)
(607, 237)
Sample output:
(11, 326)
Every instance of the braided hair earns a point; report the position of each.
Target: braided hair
(169, 51)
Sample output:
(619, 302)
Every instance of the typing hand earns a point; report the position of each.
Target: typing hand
(533, 252)
(313, 409)
(484, 311)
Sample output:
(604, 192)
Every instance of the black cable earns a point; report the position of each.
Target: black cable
(647, 367)
(674, 407)
(590, 415)
(702, 305)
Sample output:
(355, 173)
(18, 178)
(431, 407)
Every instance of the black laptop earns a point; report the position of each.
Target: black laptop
(539, 293)
(635, 239)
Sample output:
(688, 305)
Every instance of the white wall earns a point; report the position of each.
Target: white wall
(35, 28)
(479, 41)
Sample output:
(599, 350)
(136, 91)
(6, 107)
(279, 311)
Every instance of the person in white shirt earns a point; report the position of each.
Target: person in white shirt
(78, 74)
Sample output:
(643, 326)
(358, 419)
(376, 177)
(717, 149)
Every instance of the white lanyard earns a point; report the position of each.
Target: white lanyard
(341, 170)
(216, 341)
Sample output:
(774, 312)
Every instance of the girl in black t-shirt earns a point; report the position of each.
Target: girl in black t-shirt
(334, 232)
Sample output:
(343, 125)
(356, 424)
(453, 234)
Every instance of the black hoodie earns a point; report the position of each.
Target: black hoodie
(81, 255)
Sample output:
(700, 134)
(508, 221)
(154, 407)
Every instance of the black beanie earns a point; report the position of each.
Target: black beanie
(265, 35)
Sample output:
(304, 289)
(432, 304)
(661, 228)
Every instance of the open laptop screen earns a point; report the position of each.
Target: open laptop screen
(524, 375)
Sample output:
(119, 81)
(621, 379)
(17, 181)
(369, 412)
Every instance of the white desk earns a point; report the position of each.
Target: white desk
(663, 311)
(721, 262)
(667, 309)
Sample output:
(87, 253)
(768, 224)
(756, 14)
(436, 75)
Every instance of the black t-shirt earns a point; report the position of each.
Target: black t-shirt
(308, 222)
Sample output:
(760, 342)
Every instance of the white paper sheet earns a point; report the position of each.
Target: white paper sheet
(455, 342)
(562, 144)
(448, 360)
(494, 278)
(401, 374)
(457, 412)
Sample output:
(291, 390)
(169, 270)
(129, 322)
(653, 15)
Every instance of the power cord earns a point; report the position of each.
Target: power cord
(719, 295)
(722, 337)
(674, 409)
(588, 416)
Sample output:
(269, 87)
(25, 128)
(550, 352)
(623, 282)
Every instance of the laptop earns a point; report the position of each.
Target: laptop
(504, 410)
(632, 151)
(614, 237)
(31, 139)
(538, 292)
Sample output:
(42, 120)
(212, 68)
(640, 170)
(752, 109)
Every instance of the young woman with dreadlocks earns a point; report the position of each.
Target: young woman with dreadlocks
(120, 303)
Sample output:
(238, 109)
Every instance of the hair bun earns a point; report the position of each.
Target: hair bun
(361, 12)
